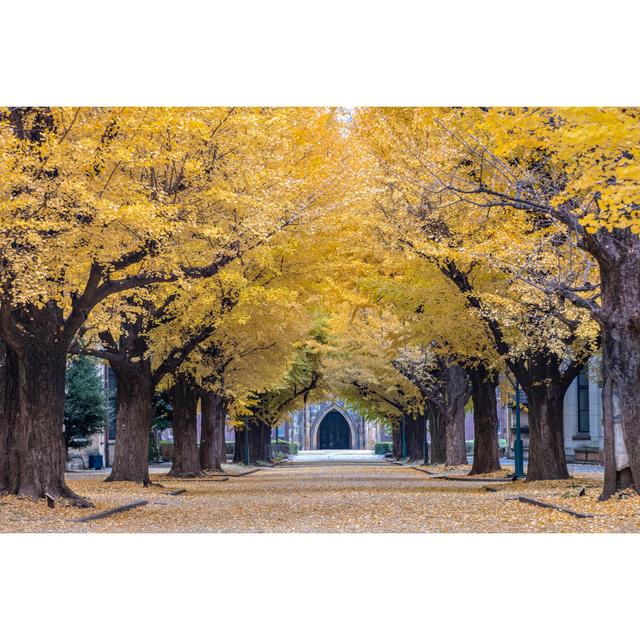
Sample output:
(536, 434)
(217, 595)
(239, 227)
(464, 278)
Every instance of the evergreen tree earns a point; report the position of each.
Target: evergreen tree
(85, 407)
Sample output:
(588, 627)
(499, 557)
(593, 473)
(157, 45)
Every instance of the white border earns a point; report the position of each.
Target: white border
(329, 52)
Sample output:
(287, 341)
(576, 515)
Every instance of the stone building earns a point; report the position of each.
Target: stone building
(331, 425)
(583, 430)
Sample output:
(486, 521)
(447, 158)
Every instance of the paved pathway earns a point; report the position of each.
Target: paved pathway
(336, 456)
(330, 495)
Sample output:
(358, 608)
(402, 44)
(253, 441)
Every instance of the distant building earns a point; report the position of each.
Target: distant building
(331, 425)
(583, 430)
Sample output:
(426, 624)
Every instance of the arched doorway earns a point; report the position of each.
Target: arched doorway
(334, 432)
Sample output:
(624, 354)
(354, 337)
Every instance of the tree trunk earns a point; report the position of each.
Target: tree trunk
(454, 434)
(41, 451)
(186, 458)
(547, 459)
(212, 443)
(438, 451)
(396, 441)
(415, 432)
(37, 455)
(8, 418)
(266, 449)
(134, 415)
(456, 395)
(486, 455)
(238, 447)
(620, 282)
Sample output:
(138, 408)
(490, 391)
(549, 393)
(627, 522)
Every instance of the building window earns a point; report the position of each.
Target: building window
(583, 401)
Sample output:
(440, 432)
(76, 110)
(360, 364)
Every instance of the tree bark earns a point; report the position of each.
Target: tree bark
(134, 416)
(186, 458)
(259, 441)
(547, 459)
(396, 441)
(619, 261)
(438, 453)
(454, 434)
(265, 443)
(238, 447)
(213, 453)
(486, 455)
(38, 455)
(8, 418)
(457, 394)
(415, 432)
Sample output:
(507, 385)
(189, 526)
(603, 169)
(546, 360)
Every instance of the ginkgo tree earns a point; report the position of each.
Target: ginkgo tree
(95, 202)
(543, 343)
(576, 169)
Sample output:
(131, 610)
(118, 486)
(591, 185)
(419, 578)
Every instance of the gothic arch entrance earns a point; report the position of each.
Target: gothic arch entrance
(334, 432)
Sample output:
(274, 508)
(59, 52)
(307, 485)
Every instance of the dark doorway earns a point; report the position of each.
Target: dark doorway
(334, 432)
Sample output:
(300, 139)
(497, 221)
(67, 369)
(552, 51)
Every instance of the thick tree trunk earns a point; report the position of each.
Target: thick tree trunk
(8, 418)
(238, 447)
(134, 416)
(396, 441)
(438, 453)
(486, 456)
(266, 449)
(186, 458)
(457, 394)
(35, 465)
(547, 459)
(415, 432)
(454, 434)
(41, 451)
(212, 443)
(620, 277)
(255, 439)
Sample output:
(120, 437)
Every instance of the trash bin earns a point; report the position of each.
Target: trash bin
(95, 461)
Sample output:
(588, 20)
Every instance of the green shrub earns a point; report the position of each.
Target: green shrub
(293, 448)
(502, 444)
(282, 447)
(381, 448)
(85, 404)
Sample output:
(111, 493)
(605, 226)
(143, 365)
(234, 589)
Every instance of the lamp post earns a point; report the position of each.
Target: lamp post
(517, 445)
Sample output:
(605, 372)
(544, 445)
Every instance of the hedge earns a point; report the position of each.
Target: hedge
(381, 448)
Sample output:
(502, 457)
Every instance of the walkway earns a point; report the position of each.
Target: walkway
(336, 456)
(329, 496)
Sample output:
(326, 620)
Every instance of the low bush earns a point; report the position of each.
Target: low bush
(382, 448)
(502, 445)
(280, 447)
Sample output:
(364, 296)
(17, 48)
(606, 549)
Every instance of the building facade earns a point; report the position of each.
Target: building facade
(582, 413)
(331, 425)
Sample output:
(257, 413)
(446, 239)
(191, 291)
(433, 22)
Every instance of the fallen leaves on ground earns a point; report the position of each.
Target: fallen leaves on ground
(332, 498)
